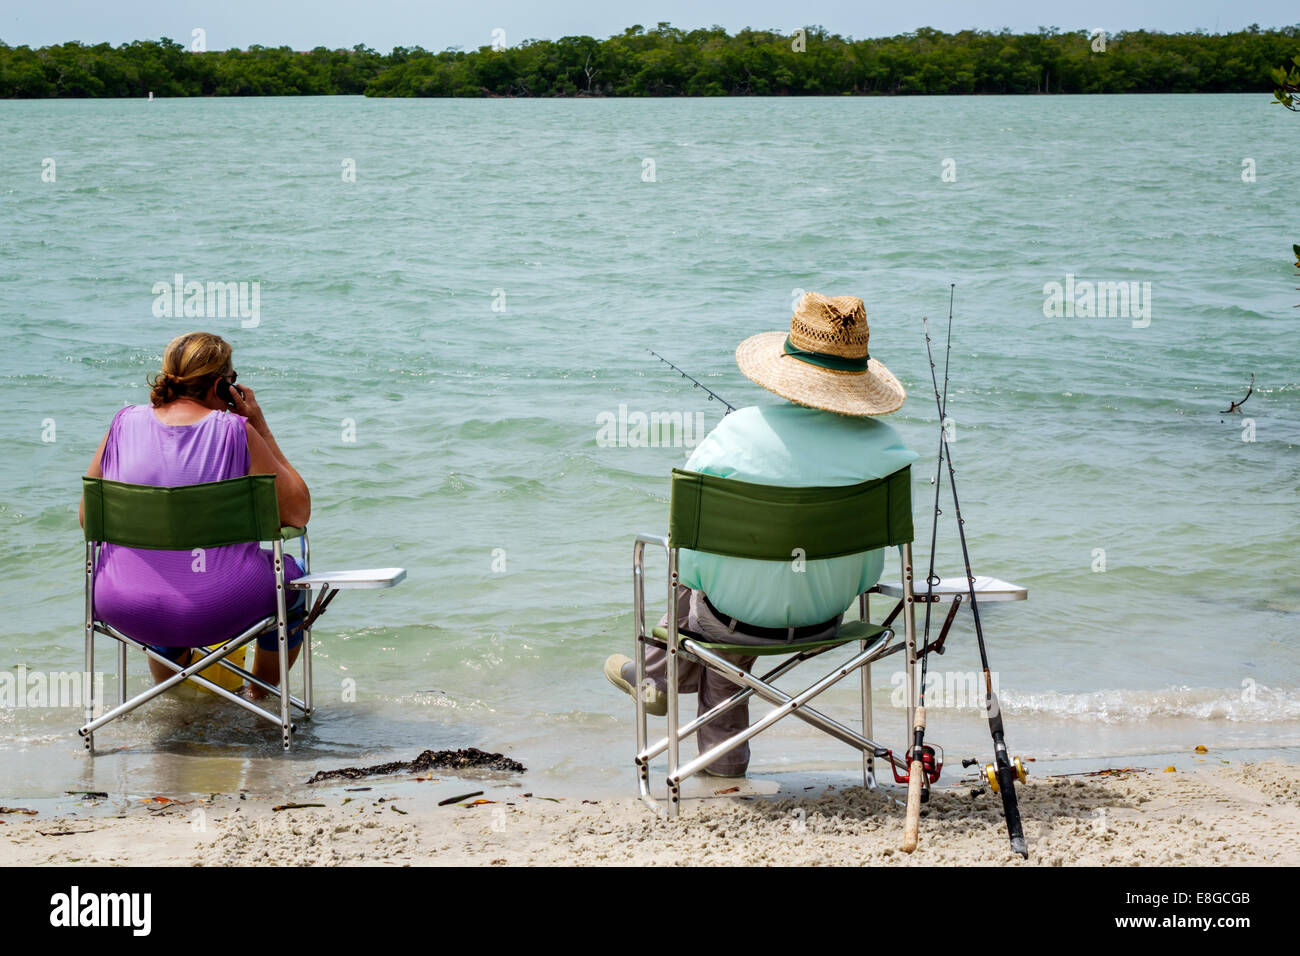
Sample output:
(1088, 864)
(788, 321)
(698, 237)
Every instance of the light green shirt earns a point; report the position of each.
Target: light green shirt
(791, 446)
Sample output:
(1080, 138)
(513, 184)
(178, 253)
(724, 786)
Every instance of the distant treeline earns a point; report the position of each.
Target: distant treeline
(667, 61)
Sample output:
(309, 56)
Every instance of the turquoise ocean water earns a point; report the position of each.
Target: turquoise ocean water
(481, 298)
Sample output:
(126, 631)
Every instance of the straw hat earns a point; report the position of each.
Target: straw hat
(823, 362)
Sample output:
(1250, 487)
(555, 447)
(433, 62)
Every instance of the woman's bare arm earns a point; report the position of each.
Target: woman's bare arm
(265, 458)
(96, 470)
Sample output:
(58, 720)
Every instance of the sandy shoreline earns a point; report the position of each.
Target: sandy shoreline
(1234, 815)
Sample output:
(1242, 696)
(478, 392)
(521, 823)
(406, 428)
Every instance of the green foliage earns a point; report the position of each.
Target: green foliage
(668, 61)
(1288, 86)
(165, 68)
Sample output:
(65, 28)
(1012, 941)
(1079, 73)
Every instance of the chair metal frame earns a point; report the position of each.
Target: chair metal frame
(261, 495)
(873, 644)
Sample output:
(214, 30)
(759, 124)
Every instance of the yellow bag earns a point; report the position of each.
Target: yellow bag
(219, 675)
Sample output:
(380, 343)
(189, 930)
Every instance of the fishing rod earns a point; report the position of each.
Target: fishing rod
(698, 384)
(917, 789)
(1002, 774)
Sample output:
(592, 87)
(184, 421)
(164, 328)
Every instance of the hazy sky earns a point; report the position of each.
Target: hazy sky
(384, 24)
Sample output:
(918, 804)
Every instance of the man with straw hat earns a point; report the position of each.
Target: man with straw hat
(829, 434)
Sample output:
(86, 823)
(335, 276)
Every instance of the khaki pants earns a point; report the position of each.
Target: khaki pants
(712, 688)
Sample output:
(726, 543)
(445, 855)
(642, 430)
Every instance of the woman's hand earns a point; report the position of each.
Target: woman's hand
(246, 405)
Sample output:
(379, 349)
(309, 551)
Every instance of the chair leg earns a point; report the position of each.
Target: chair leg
(868, 759)
(674, 791)
(644, 753)
(121, 673)
(642, 730)
(306, 635)
(306, 670)
(282, 635)
(674, 787)
(88, 681)
(88, 687)
(286, 726)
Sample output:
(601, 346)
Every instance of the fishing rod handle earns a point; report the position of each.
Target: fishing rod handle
(1011, 809)
(916, 774)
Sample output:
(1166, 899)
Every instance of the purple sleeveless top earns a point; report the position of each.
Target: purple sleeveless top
(177, 598)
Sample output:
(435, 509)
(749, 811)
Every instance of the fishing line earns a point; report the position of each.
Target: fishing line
(1006, 774)
(698, 384)
(932, 579)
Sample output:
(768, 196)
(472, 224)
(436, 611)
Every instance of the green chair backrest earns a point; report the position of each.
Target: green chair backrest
(745, 520)
(206, 515)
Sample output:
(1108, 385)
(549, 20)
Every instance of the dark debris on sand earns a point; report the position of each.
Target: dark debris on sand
(470, 758)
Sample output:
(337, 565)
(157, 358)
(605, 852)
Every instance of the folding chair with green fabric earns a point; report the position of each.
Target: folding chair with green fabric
(208, 515)
(740, 519)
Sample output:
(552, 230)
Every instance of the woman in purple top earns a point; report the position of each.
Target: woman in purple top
(177, 600)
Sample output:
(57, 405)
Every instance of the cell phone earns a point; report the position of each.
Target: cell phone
(223, 392)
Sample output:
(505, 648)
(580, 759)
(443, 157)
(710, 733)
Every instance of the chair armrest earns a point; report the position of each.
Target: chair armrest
(987, 589)
(289, 531)
(364, 579)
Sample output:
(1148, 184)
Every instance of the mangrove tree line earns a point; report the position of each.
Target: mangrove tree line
(667, 61)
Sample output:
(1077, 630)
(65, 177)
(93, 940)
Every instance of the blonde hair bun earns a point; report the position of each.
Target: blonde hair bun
(190, 364)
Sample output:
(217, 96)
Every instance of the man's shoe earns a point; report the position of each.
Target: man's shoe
(656, 701)
(736, 775)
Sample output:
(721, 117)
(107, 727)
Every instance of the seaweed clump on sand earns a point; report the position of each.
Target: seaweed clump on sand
(471, 758)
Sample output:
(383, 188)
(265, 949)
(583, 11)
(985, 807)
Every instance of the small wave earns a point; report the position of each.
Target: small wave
(454, 485)
(482, 429)
(1249, 704)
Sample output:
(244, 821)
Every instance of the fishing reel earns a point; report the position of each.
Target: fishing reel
(931, 764)
(989, 772)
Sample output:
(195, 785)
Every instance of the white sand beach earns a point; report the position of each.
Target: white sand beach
(1242, 814)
